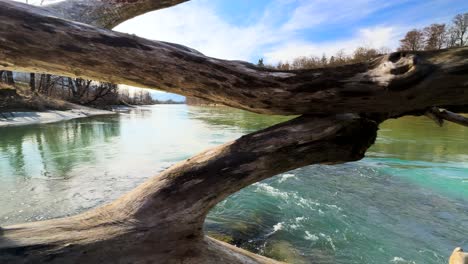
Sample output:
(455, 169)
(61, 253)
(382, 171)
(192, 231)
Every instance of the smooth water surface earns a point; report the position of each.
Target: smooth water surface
(407, 202)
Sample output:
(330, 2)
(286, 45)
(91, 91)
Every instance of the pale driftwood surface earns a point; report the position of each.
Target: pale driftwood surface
(107, 13)
(458, 256)
(414, 80)
(161, 221)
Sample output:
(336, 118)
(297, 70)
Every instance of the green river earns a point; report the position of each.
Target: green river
(406, 202)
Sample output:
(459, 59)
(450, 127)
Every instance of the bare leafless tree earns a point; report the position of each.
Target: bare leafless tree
(363, 54)
(460, 28)
(435, 36)
(413, 41)
(32, 82)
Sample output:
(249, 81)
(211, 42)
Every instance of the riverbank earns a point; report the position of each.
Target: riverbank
(21, 118)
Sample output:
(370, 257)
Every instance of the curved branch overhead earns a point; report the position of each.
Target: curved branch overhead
(107, 13)
(417, 80)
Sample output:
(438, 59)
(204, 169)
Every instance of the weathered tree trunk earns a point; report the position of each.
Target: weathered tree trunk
(46, 84)
(161, 221)
(66, 48)
(9, 78)
(32, 82)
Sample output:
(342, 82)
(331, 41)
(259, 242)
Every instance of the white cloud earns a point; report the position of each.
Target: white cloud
(196, 24)
(309, 14)
(376, 37)
(280, 33)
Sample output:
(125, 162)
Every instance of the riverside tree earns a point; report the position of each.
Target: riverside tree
(460, 27)
(413, 40)
(438, 36)
(435, 36)
(161, 221)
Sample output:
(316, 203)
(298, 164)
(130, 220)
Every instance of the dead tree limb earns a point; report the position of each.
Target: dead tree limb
(439, 115)
(415, 80)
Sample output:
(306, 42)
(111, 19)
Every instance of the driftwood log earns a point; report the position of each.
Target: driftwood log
(161, 221)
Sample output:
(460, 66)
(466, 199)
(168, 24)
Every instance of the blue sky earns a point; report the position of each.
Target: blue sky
(279, 30)
(283, 29)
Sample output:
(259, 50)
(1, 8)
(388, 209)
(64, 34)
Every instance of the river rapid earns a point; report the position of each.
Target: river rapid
(406, 202)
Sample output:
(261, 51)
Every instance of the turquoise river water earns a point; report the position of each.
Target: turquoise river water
(406, 202)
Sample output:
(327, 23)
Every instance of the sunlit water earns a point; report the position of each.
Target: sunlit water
(407, 202)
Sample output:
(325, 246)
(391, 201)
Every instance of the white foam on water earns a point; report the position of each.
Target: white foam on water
(311, 237)
(299, 219)
(329, 240)
(286, 176)
(271, 190)
(333, 207)
(303, 202)
(279, 226)
(401, 260)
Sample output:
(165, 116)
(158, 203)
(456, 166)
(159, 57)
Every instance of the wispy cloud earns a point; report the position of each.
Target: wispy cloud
(284, 29)
(197, 24)
(376, 37)
(309, 14)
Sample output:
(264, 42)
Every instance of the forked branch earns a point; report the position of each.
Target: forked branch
(439, 115)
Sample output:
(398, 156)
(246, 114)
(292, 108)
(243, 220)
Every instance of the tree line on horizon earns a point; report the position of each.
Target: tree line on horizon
(433, 37)
(437, 36)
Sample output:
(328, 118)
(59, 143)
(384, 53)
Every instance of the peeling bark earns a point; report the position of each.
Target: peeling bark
(417, 80)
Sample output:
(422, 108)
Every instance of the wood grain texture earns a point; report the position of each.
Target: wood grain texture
(416, 80)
